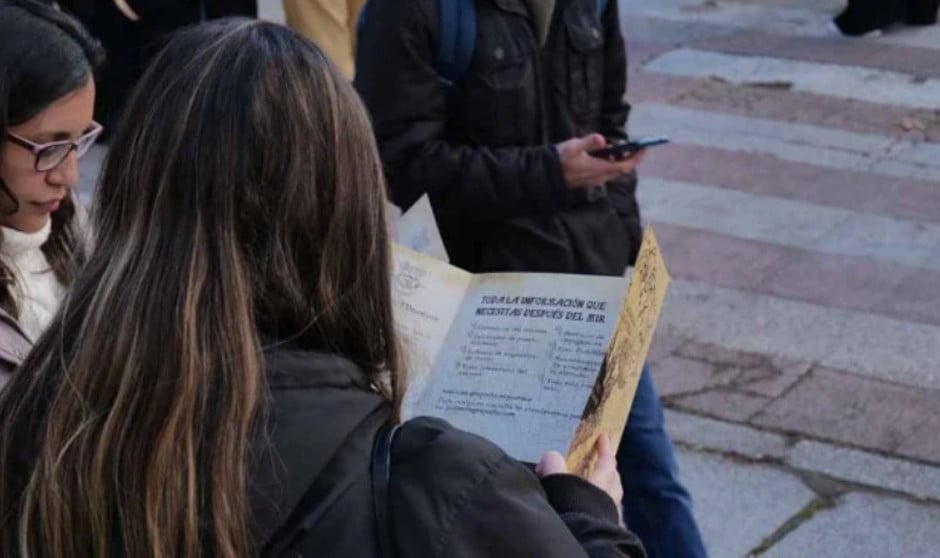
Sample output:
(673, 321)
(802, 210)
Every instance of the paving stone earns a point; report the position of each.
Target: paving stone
(777, 376)
(915, 298)
(738, 505)
(860, 240)
(676, 375)
(724, 437)
(663, 345)
(863, 525)
(861, 467)
(894, 58)
(845, 281)
(723, 404)
(717, 354)
(695, 254)
(889, 349)
(902, 198)
(924, 442)
(859, 411)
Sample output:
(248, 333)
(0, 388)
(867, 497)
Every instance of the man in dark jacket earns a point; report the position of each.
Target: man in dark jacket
(502, 154)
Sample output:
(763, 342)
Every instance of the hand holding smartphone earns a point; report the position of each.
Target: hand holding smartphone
(625, 150)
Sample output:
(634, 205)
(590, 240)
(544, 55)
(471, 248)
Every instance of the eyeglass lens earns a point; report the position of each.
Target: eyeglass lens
(53, 156)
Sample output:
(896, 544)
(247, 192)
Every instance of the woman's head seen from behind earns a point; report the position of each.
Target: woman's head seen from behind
(242, 202)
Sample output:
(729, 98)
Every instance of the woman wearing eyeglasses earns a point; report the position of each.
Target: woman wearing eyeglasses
(47, 96)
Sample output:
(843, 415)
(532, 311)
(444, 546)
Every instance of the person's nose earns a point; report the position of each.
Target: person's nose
(66, 174)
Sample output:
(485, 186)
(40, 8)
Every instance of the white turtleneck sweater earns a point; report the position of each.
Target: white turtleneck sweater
(37, 292)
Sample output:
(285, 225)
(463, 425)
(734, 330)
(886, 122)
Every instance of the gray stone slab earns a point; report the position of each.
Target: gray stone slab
(790, 18)
(847, 82)
(696, 431)
(800, 143)
(779, 376)
(738, 506)
(924, 442)
(856, 466)
(790, 223)
(851, 409)
(864, 525)
(725, 404)
(676, 375)
(663, 346)
(867, 344)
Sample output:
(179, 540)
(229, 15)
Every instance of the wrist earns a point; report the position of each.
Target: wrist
(571, 494)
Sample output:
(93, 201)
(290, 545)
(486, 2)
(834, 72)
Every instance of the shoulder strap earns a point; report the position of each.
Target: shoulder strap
(601, 7)
(381, 475)
(458, 35)
(314, 503)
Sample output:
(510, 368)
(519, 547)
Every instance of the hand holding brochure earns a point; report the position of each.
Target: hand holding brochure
(519, 358)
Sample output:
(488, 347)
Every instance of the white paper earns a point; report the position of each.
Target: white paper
(520, 359)
(417, 230)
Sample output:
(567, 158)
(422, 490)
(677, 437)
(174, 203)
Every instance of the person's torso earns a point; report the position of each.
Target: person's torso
(517, 92)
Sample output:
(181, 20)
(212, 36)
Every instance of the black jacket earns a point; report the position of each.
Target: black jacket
(484, 149)
(452, 494)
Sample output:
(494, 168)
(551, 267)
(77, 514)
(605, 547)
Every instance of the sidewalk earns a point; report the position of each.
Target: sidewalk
(777, 470)
(799, 213)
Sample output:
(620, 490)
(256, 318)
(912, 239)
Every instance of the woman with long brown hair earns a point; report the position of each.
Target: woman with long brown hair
(210, 386)
(47, 95)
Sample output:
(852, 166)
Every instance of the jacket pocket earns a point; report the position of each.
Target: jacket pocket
(584, 60)
(501, 97)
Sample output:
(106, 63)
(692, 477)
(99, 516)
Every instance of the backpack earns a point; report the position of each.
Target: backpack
(458, 35)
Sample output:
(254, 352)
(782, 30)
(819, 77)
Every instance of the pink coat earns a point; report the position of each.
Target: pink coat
(14, 346)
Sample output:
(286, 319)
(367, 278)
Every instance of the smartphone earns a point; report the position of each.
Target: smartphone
(621, 151)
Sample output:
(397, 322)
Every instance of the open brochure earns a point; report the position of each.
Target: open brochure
(530, 361)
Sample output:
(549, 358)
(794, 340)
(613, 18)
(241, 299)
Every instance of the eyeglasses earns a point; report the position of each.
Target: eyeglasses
(51, 155)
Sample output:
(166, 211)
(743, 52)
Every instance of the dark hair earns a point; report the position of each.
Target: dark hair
(44, 56)
(242, 200)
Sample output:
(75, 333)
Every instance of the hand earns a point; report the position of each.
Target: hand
(604, 475)
(581, 170)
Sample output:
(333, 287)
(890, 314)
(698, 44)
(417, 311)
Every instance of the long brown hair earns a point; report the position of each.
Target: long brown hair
(44, 56)
(242, 200)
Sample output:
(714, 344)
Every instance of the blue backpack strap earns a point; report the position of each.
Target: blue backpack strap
(601, 6)
(458, 36)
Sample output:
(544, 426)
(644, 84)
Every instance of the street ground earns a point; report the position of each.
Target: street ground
(799, 213)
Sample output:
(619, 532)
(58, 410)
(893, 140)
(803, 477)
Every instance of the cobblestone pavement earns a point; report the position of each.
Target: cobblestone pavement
(799, 213)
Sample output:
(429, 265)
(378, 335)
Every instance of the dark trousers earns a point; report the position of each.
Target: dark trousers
(863, 16)
(131, 45)
(656, 506)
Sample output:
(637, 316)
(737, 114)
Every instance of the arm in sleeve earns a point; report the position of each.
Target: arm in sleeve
(512, 515)
(408, 104)
(457, 495)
